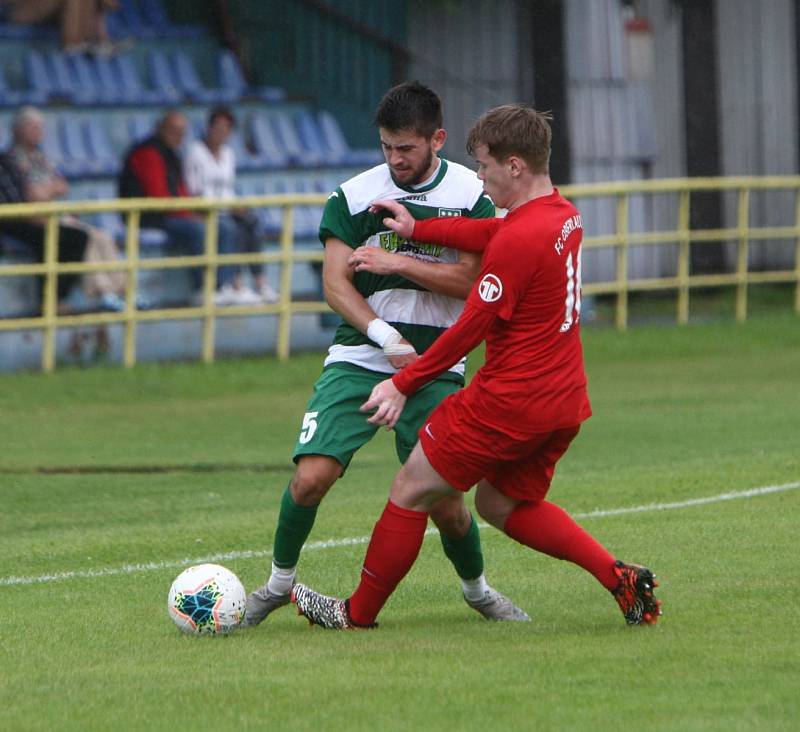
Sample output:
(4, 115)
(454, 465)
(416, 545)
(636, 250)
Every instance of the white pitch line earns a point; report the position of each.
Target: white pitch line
(353, 541)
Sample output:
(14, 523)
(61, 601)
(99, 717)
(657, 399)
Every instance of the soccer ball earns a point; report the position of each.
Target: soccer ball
(206, 599)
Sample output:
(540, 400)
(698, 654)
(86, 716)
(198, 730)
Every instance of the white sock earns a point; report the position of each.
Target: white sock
(475, 589)
(281, 580)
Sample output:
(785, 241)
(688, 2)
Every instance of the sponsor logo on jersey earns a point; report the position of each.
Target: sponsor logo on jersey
(391, 242)
(490, 288)
(414, 197)
(449, 212)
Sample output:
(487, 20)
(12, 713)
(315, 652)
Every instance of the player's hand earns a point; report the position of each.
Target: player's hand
(387, 402)
(402, 359)
(401, 221)
(375, 260)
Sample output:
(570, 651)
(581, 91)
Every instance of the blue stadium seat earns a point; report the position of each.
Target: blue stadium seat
(153, 14)
(85, 71)
(307, 218)
(313, 139)
(288, 138)
(335, 141)
(51, 146)
(140, 126)
(77, 159)
(162, 79)
(115, 26)
(113, 221)
(17, 97)
(131, 18)
(266, 144)
(147, 20)
(245, 160)
(38, 75)
(64, 82)
(84, 76)
(185, 75)
(154, 17)
(163, 91)
(230, 77)
(99, 146)
(269, 218)
(110, 86)
(230, 73)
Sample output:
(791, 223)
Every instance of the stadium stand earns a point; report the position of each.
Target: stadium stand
(96, 106)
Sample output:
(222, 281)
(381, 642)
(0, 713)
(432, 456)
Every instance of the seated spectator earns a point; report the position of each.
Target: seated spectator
(82, 22)
(31, 232)
(153, 169)
(41, 182)
(210, 170)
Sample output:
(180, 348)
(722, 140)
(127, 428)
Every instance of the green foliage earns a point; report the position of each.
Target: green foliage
(678, 414)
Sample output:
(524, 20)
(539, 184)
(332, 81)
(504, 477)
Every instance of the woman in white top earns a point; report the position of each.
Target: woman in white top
(210, 172)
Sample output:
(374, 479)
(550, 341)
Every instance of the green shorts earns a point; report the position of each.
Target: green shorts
(334, 426)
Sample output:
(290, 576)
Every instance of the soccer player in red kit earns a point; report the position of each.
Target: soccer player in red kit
(508, 428)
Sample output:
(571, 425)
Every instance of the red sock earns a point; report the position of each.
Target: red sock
(551, 530)
(393, 548)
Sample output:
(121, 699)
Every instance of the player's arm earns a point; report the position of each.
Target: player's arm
(458, 232)
(347, 301)
(337, 284)
(452, 279)
(389, 397)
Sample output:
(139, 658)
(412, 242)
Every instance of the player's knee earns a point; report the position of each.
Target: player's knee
(312, 480)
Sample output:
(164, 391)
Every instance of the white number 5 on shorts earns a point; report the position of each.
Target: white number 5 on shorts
(309, 427)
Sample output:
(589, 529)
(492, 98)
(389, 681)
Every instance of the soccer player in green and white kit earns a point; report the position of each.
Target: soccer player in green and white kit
(392, 309)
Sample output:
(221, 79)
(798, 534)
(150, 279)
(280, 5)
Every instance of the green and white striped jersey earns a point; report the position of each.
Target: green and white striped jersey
(420, 315)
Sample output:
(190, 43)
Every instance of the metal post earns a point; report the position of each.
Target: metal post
(285, 311)
(49, 306)
(742, 219)
(132, 255)
(210, 284)
(684, 245)
(622, 262)
(797, 253)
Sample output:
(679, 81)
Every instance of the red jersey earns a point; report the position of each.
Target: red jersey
(526, 304)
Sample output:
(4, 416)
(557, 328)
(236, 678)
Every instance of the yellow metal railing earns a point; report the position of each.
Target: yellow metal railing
(131, 210)
(621, 241)
(684, 236)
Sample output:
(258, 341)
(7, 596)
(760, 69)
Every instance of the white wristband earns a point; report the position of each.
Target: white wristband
(380, 331)
(388, 338)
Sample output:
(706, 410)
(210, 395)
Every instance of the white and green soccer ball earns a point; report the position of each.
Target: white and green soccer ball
(206, 599)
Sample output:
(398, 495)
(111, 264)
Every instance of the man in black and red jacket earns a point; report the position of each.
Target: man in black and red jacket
(153, 169)
(31, 231)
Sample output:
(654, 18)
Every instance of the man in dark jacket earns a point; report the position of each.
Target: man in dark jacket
(153, 169)
(31, 232)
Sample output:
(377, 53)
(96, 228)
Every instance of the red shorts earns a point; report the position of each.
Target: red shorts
(464, 451)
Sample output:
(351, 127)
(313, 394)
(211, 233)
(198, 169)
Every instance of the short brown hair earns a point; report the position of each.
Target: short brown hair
(410, 106)
(514, 129)
(221, 111)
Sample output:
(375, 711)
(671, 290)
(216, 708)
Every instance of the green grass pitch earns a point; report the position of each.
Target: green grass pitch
(113, 481)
